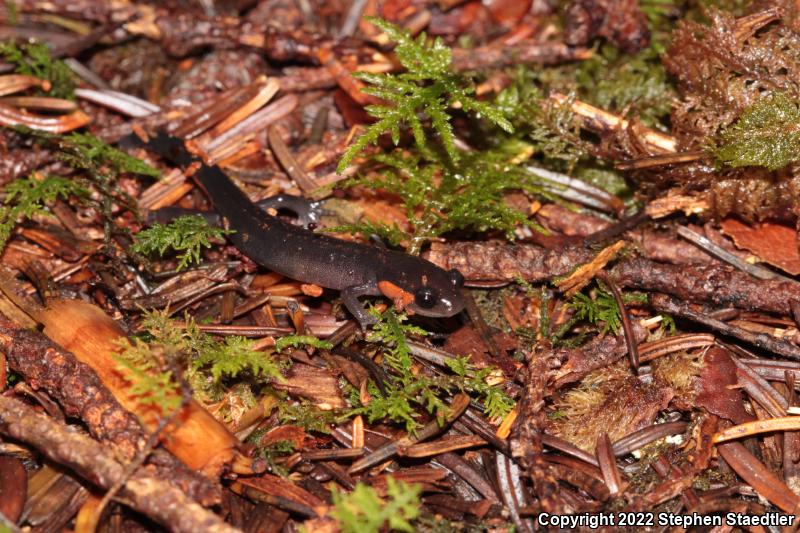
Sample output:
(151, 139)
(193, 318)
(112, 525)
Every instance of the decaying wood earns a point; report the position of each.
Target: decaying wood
(147, 494)
(487, 261)
(197, 439)
(77, 389)
(715, 284)
(526, 436)
(674, 403)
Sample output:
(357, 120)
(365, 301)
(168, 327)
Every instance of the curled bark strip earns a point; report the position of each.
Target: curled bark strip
(557, 443)
(446, 444)
(14, 83)
(11, 116)
(40, 103)
(653, 350)
(150, 495)
(644, 436)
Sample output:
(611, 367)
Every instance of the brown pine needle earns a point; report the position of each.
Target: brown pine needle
(756, 427)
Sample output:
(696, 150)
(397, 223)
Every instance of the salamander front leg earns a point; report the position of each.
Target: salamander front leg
(350, 296)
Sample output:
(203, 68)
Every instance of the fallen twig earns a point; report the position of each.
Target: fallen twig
(150, 495)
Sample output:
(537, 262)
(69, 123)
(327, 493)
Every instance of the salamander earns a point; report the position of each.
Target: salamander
(355, 269)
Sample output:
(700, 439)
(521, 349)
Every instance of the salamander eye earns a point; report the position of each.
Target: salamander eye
(455, 277)
(425, 297)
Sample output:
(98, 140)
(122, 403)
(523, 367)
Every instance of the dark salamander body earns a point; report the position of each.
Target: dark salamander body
(355, 269)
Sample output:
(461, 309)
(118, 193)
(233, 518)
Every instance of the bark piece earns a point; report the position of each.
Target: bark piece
(773, 243)
(715, 387)
(495, 261)
(78, 390)
(716, 284)
(13, 484)
(319, 385)
(720, 285)
(147, 494)
(197, 439)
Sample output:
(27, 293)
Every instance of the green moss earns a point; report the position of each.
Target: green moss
(767, 134)
(85, 151)
(600, 308)
(151, 381)
(545, 129)
(301, 340)
(34, 59)
(636, 84)
(306, 415)
(420, 95)
(363, 511)
(407, 392)
(28, 197)
(439, 197)
(99, 166)
(187, 235)
(150, 360)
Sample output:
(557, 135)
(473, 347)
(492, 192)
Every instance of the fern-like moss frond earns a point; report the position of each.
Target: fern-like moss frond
(767, 134)
(424, 92)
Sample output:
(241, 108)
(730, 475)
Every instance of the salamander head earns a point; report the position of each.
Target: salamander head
(427, 290)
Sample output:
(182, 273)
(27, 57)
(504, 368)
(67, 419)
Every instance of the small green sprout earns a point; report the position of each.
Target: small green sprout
(186, 234)
(29, 196)
(407, 391)
(363, 511)
(602, 308)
